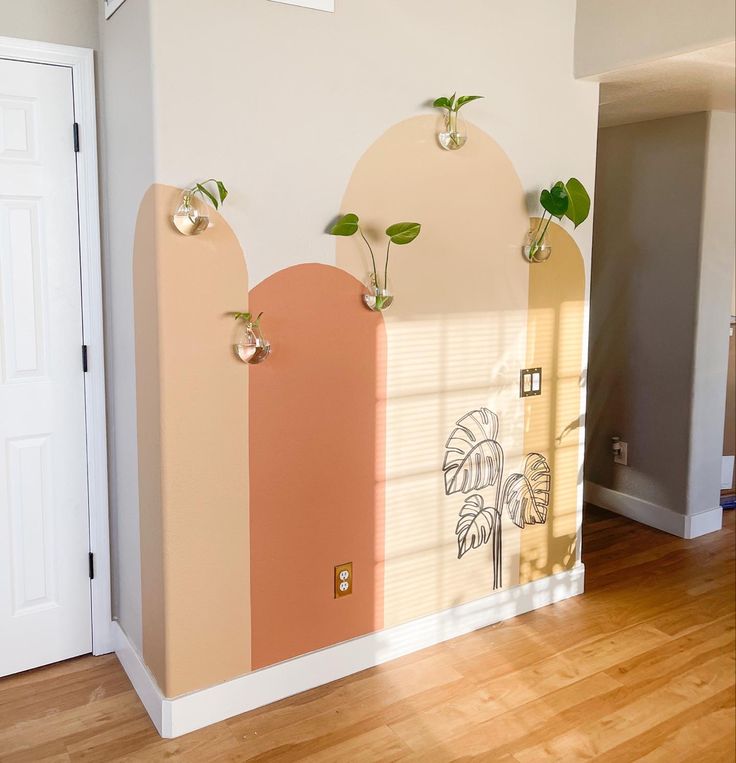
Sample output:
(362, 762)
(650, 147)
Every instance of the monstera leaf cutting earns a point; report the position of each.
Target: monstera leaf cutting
(526, 496)
(474, 461)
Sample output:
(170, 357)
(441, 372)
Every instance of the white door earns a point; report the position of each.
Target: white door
(45, 608)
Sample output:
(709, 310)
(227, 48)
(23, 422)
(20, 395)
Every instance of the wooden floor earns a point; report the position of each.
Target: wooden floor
(641, 667)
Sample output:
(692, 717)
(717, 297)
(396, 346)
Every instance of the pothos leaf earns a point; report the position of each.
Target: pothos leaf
(221, 190)
(555, 200)
(346, 225)
(463, 99)
(206, 193)
(403, 233)
(578, 206)
(441, 103)
(473, 460)
(526, 496)
(476, 524)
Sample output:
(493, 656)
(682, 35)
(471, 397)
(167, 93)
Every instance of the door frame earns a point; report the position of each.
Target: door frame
(81, 63)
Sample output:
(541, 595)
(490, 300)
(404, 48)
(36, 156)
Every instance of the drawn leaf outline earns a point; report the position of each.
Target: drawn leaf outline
(473, 459)
(476, 524)
(526, 496)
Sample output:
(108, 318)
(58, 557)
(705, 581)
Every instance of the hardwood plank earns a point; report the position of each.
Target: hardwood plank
(641, 667)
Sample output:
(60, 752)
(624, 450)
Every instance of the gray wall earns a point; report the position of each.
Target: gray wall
(66, 22)
(660, 289)
(127, 156)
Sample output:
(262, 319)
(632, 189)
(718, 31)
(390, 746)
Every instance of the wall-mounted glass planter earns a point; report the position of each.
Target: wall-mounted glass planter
(378, 300)
(453, 132)
(189, 218)
(250, 345)
(536, 248)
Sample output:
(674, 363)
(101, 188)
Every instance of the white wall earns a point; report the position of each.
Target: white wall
(286, 101)
(613, 34)
(281, 102)
(65, 22)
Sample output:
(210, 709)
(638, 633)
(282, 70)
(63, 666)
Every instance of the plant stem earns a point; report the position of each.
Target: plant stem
(373, 259)
(385, 270)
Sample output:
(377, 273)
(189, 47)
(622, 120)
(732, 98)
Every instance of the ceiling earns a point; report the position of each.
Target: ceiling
(703, 80)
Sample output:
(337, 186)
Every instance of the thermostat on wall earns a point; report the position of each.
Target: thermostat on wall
(318, 5)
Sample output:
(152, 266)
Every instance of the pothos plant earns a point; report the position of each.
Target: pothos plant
(453, 138)
(474, 462)
(398, 233)
(569, 200)
(200, 189)
(248, 318)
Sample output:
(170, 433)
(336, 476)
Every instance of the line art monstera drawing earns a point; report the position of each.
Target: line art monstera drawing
(474, 462)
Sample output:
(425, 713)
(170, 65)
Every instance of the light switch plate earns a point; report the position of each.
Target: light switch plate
(318, 5)
(530, 382)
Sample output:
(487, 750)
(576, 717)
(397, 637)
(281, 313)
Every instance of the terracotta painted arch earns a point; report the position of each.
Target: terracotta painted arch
(316, 463)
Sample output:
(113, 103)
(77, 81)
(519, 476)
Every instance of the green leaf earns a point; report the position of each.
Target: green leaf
(346, 225)
(463, 99)
(441, 103)
(206, 193)
(452, 101)
(403, 233)
(555, 200)
(221, 190)
(578, 207)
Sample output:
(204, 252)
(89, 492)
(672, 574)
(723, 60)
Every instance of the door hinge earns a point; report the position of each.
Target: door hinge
(76, 137)
(84, 358)
(91, 566)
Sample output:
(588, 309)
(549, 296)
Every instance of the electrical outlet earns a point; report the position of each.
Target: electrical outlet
(343, 580)
(621, 455)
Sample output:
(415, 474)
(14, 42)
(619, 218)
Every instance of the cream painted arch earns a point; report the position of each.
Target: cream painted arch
(456, 339)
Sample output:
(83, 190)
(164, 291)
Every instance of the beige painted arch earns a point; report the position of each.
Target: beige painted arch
(456, 339)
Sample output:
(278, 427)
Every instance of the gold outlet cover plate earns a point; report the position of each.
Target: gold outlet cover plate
(343, 580)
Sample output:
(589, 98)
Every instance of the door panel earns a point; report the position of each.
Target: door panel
(45, 608)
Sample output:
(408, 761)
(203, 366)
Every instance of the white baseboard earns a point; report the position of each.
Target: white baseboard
(180, 715)
(683, 525)
(143, 682)
(727, 463)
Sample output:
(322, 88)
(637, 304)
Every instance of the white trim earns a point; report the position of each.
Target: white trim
(143, 682)
(111, 6)
(651, 514)
(317, 5)
(189, 712)
(727, 463)
(81, 62)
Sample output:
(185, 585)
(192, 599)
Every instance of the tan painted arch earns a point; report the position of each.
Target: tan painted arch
(192, 400)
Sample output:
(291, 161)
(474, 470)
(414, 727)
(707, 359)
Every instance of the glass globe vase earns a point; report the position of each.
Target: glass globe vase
(453, 133)
(536, 248)
(190, 218)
